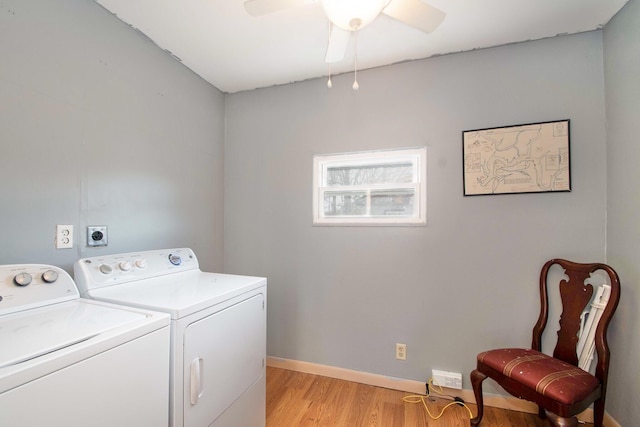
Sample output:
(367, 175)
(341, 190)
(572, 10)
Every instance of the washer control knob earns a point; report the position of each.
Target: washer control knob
(141, 263)
(105, 269)
(125, 266)
(175, 259)
(22, 279)
(50, 276)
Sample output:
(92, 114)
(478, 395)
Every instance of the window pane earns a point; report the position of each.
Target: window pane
(388, 173)
(392, 202)
(345, 203)
(386, 187)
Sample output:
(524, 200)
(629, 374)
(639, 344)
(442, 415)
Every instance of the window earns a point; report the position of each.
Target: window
(371, 188)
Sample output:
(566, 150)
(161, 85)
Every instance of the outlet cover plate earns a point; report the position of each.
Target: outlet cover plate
(97, 235)
(401, 351)
(64, 236)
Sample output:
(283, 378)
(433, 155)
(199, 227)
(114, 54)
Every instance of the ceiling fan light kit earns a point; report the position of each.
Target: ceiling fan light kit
(350, 16)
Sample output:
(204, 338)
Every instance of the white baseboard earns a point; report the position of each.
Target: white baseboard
(417, 387)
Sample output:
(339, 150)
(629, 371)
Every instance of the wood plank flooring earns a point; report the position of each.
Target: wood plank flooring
(296, 399)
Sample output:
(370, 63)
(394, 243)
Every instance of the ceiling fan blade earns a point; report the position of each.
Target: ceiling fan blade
(415, 13)
(338, 42)
(264, 7)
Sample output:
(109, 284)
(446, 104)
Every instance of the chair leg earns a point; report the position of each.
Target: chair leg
(541, 413)
(561, 421)
(598, 412)
(476, 381)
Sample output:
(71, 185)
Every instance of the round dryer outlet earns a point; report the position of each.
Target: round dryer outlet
(97, 235)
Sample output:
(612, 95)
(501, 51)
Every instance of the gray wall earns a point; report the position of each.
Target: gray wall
(98, 126)
(343, 296)
(622, 84)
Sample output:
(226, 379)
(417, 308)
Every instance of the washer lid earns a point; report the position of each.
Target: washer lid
(29, 334)
(179, 294)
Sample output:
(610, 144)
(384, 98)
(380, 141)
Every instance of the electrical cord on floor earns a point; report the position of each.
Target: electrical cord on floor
(417, 398)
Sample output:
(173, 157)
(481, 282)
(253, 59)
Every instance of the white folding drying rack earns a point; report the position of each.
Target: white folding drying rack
(590, 320)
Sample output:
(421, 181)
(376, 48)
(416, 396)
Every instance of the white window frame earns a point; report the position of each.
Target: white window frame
(416, 156)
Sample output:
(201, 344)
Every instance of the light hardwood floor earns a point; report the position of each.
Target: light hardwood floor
(296, 399)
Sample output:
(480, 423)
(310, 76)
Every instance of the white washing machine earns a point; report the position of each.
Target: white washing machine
(218, 330)
(71, 362)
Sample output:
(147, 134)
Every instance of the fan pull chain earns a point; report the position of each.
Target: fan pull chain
(355, 86)
(329, 82)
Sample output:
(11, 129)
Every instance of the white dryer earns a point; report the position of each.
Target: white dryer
(218, 330)
(71, 362)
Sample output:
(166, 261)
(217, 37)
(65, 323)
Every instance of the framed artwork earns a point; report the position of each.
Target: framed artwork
(530, 158)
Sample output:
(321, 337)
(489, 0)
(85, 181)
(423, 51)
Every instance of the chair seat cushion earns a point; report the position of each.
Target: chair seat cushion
(546, 375)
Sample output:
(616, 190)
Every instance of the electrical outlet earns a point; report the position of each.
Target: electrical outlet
(401, 351)
(64, 236)
(447, 379)
(97, 235)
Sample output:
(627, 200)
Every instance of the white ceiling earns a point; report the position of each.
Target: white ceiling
(233, 51)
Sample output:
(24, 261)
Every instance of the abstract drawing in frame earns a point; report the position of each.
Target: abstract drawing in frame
(530, 158)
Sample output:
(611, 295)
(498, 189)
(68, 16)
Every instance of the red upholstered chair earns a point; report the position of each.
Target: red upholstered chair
(556, 384)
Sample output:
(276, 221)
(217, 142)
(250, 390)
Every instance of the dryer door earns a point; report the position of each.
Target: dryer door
(224, 355)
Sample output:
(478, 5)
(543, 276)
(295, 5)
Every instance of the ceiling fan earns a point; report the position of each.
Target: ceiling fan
(348, 16)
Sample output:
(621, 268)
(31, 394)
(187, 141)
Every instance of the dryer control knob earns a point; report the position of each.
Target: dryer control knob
(105, 269)
(22, 279)
(125, 266)
(50, 276)
(175, 259)
(141, 263)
